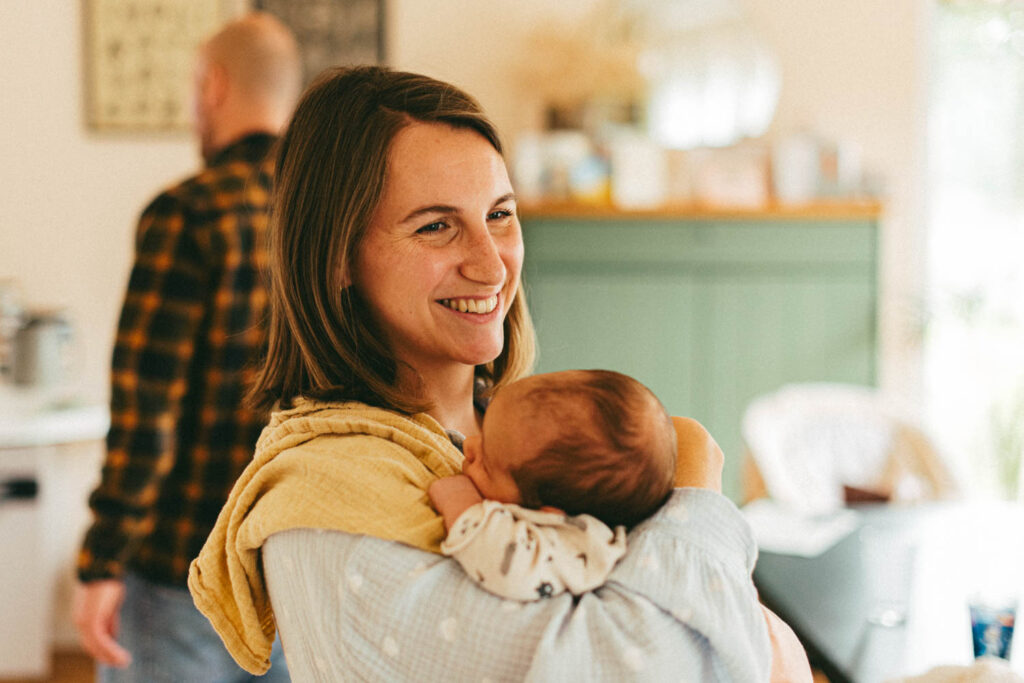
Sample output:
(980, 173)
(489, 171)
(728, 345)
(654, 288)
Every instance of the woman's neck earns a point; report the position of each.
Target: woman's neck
(450, 392)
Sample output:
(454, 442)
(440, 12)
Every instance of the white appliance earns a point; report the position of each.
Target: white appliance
(26, 597)
(49, 458)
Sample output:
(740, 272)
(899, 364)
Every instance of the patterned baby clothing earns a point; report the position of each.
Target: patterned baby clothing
(524, 554)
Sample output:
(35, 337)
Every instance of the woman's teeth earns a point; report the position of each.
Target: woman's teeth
(472, 305)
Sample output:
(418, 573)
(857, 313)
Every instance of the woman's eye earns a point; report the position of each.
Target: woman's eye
(432, 228)
(499, 214)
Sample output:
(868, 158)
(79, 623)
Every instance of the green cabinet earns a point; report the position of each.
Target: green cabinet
(707, 311)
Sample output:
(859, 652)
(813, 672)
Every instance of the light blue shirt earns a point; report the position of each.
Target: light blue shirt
(680, 606)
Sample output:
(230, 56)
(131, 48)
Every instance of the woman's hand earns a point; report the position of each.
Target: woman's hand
(698, 458)
(452, 496)
(789, 661)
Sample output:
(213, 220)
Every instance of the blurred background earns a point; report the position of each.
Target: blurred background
(905, 115)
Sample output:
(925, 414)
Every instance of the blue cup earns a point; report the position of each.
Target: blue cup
(992, 627)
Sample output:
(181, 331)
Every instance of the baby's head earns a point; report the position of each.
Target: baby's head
(585, 441)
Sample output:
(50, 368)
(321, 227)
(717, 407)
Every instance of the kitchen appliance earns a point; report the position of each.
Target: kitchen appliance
(42, 350)
(25, 591)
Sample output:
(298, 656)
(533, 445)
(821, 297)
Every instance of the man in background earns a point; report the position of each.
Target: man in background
(188, 341)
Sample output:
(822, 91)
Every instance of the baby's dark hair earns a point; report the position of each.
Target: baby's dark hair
(615, 452)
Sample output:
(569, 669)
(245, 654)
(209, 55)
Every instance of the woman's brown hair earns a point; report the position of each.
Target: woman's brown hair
(331, 169)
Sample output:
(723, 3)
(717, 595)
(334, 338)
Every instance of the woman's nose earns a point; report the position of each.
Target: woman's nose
(483, 261)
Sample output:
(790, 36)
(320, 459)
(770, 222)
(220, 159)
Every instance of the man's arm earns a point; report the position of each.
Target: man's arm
(155, 340)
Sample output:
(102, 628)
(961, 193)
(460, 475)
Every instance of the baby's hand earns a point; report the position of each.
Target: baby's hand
(452, 496)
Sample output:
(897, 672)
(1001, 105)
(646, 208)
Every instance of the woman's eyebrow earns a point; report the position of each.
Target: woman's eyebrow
(434, 208)
(448, 209)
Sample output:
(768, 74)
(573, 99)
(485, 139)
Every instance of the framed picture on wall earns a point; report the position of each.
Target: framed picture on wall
(332, 32)
(139, 60)
(140, 54)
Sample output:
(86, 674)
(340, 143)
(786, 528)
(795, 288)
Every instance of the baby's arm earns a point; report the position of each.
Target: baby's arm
(523, 554)
(452, 496)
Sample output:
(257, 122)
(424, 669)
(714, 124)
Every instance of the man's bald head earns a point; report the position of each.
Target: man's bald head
(260, 56)
(250, 77)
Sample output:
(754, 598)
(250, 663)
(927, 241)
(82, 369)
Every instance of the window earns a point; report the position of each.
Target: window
(974, 364)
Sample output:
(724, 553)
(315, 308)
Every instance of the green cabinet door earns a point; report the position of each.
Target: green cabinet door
(707, 313)
(618, 318)
(767, 330)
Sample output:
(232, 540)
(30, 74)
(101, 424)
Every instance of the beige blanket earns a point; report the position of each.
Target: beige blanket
(346, 467)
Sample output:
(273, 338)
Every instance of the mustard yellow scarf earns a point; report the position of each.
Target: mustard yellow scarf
(341, 466)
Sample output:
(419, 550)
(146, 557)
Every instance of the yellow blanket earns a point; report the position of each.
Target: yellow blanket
(343, 466)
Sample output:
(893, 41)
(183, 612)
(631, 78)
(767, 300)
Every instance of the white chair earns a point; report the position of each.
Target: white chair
(815, 447)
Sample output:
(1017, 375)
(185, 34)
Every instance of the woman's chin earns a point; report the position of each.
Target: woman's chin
(483, 354)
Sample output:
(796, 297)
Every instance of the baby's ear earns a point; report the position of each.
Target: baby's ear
(471, 448)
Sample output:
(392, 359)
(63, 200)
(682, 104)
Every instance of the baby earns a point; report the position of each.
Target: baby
(562, 459)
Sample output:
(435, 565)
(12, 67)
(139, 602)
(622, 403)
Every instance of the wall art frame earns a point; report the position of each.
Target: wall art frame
(140, 54)
(140, 57)
(333, 32)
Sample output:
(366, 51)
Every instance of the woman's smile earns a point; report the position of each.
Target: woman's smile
(473, 306)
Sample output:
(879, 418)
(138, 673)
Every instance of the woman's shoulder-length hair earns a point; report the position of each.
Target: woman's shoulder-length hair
(330, 173)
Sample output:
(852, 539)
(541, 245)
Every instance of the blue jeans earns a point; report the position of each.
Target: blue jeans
(170, 640)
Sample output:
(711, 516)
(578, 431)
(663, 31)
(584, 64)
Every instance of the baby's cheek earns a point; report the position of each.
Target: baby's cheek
(476, 474)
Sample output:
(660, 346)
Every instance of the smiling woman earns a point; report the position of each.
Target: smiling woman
(397, 310)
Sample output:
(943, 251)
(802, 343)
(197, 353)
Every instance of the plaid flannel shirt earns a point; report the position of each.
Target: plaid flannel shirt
(188, 341)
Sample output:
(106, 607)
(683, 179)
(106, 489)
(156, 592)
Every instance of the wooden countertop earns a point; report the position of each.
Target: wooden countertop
(845, 208)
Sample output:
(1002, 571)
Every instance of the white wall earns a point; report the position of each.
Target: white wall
(476, 44)
(70, 197)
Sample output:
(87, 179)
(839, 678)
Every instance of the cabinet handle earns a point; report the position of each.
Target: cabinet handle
(18, 489)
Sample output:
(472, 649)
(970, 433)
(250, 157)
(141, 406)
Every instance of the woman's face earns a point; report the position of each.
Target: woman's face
(439, 263)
